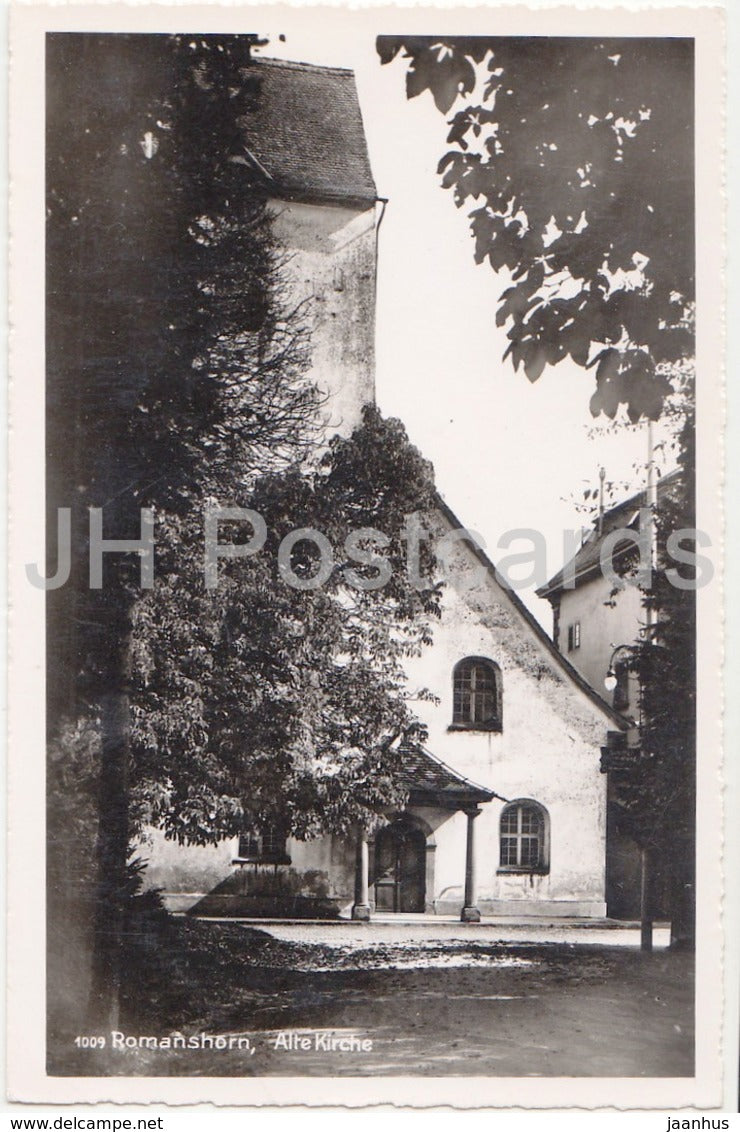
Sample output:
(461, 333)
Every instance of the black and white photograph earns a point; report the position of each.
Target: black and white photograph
(376, 568)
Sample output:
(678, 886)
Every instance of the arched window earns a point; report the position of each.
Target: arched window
(476, 699)
(525, 838)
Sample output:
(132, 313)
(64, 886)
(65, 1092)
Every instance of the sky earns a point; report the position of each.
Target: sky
(507, 454)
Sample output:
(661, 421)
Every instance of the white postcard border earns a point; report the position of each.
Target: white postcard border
(26, 928)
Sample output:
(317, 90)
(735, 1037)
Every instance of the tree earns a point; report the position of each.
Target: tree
(573, 159)
(168, 346)
(658, 790)
(258, 700)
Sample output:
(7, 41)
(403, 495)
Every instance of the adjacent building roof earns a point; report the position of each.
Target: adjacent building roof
(587, 560)
(431, 782)
(305, 134)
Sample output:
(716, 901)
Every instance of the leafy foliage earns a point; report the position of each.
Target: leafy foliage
(259, 698)
(169, 347)
(73, 771)
(169, 340)
(659, 792)
(573, 159)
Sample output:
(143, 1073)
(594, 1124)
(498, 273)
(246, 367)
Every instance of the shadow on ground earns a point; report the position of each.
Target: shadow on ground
(428, 1007)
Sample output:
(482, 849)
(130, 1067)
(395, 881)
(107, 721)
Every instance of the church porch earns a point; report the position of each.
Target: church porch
(395, 865)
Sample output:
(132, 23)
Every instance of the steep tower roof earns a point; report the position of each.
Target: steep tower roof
(305, 133)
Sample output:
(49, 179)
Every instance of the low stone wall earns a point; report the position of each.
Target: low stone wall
(268, 891)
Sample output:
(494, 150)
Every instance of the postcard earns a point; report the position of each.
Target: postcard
(366, 450)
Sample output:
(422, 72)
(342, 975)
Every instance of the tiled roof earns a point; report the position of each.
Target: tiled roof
(305, 131)
(423, 773)
(588, 558)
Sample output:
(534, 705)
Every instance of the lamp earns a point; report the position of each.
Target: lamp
(611, 679)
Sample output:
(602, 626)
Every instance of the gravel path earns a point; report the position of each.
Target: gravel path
(344, 933)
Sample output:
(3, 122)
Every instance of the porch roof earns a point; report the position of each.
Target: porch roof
(431, 782)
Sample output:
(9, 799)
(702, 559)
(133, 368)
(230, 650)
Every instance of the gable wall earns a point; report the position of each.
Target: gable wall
(548, 749)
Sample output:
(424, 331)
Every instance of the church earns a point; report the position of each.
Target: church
(507, 803)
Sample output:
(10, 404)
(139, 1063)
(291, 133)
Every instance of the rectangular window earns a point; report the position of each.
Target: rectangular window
(250, 845)
(266, 847)
(273, 843)
(574, 636)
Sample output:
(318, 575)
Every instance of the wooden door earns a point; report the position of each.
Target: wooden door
(400, 869)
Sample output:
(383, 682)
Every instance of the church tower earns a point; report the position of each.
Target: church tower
(306, 140)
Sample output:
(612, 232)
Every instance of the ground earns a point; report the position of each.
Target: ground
(433, 1000)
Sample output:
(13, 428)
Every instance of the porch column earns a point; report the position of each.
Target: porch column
(361, 906)
(470, 914)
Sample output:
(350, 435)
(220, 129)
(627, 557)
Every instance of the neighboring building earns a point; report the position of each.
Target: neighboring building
(594, 625)
(507, 803)
(592, 619)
